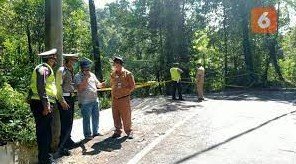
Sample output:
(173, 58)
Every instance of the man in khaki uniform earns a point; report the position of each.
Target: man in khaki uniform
(122, 84)
(200, 79)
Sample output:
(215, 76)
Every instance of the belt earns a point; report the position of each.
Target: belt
(123, 97)
(69, 94)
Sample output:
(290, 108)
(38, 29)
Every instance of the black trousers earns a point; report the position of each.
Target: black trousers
(43, 131)
(176, 87)
(66, 117)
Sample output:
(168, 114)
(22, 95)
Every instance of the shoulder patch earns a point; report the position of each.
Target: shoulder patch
(43, 70)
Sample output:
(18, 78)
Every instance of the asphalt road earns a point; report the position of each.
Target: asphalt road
(234, 127)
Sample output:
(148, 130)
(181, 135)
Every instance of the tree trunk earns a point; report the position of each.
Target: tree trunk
(95, 40)
(265, 74)
(247, 48)
(30, 51)
(176, 44)
(54, 39)
(225, 47)
(160, 71)
(274, 60)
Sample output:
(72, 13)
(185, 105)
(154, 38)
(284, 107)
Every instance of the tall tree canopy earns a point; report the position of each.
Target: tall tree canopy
(152, 34)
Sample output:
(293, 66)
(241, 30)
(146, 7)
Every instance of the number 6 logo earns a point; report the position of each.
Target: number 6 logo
(264, 20)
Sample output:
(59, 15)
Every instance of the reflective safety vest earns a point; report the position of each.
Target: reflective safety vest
(50, 86)
(175, 74)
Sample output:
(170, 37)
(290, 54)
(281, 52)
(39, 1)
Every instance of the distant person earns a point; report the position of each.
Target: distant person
(43, 94)
(87, 85)
(66, 100)
(122, 84)
(200, 80)
(176, 78)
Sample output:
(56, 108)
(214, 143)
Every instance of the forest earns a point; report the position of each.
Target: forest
(150, 35)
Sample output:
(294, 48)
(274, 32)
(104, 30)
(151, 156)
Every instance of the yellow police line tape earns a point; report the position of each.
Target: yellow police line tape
(155, 83)
(140, 85)
(236, 86)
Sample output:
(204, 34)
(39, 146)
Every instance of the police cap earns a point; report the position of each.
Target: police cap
(176, 64)
(71, 56)
(48, 54)
(118, 59)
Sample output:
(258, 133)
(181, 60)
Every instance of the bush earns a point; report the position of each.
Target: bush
(16, 120)
(105, 100)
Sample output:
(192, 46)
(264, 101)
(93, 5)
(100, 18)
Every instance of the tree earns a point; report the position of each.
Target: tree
(95, 40)
(77, 36)
(54, 39)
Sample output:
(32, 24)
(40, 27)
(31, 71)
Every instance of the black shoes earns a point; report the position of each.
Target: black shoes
(64, 152)
(180, 99)
(49, 160)
(88, 138)
(115, 135)
(200, 99)
(98, 134)
(71, 144)
(130, 136)
(2, 143)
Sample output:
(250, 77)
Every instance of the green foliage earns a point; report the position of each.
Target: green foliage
(16, 121)
(76, 38)
(150, 35)
(105, 101)
(288, 63)
(211, 59)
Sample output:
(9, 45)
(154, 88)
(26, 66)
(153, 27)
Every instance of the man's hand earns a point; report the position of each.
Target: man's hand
(46, 110)
(103, 84)
(65, 105)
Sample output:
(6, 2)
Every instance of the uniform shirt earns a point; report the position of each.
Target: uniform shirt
(43, 72)
(122, 84)
(200, 74)
(64, 82)
(90, 93)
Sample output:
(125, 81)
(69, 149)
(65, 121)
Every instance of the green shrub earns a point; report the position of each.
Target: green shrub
(16, 120)
(105, 101)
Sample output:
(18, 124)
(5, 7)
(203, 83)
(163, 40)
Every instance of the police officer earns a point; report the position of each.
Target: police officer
(43, 98)
(176, 78)
(122, 84)
(66, 100)
(200, 79)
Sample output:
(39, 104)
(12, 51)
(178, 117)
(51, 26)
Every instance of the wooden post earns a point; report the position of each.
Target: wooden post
(54, 39)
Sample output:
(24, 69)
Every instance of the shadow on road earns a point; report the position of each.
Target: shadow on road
(232, 138)
(285, 96)
(108, 144)
(172, 106)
